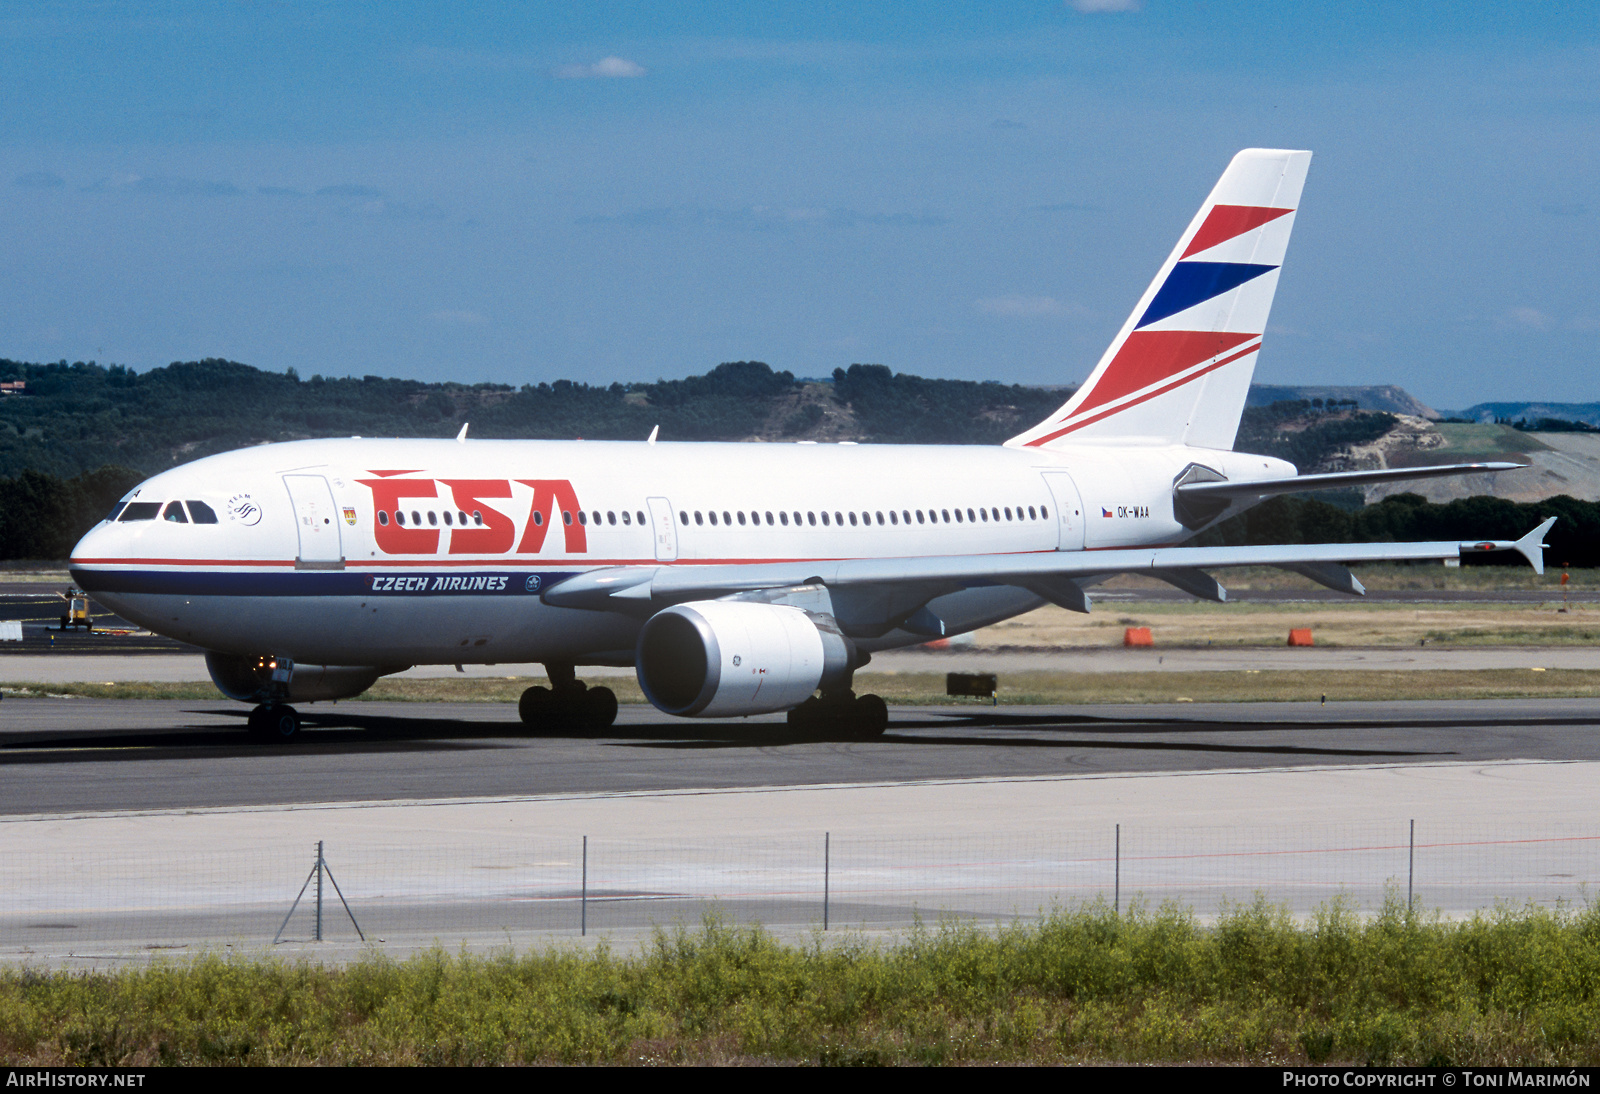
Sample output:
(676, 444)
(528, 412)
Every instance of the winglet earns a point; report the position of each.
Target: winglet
(461, 438)
(1532, 545)
(654, 432)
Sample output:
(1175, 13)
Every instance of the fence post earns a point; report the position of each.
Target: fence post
(1411, 867)
(583, 898)
(319, 890)
(827, 838)
(1116, 884)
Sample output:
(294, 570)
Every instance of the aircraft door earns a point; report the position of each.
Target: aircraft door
(1069, 510)
(317, 522)
(663, 529)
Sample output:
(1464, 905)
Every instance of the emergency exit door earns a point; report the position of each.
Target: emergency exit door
(1069, 510)
(663, 529)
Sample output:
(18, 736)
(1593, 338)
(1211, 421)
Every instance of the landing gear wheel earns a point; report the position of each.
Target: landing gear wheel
(600, 704)
(536, 709)
(575, 708)
(808, 715)
(871, 716)
(857, 717)
(274, 723)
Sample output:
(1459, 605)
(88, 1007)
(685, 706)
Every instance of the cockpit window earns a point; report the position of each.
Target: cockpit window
(115, 509)
(140, 510)
(175, 513)
(202, 513)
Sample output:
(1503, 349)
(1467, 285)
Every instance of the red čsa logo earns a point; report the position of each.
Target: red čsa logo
(554, 501)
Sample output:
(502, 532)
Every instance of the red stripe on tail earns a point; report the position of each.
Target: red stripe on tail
(1226, 221)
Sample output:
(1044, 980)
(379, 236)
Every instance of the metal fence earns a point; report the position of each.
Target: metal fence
(85, 902)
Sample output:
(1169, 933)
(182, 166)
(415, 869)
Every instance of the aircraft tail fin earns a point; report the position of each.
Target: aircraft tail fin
(1180, 368)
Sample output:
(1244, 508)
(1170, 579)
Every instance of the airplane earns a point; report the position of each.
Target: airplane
(737, 579)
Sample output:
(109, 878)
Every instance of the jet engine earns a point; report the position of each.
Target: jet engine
(278, 680)
(724, 658)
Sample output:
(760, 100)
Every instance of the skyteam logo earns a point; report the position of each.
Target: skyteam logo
(243, 508)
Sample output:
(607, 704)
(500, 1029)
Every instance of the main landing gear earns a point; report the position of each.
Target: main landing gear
(858, 716)
(271, 722)
(568, 705)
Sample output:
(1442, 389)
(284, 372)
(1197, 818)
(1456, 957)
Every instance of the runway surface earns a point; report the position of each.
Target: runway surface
(132, 828)
(87, 667)
(83, 755)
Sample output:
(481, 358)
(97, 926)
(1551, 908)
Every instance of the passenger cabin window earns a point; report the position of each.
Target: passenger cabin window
(140, 510)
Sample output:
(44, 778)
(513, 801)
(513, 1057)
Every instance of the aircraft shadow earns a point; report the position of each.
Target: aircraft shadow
(348, 731)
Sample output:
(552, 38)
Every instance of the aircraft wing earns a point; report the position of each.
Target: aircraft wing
(1051, 575)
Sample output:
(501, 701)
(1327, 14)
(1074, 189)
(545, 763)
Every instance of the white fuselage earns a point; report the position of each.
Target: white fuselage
(392, 553)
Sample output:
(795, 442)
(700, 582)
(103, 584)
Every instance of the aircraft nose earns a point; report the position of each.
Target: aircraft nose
(96, 543)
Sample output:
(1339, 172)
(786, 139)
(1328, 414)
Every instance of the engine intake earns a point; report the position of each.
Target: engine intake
(261, 679)
(724, 658)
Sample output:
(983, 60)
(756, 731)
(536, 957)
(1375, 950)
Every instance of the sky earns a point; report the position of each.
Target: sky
(517, 193)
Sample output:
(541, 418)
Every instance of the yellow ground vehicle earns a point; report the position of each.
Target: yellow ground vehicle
(77, 614)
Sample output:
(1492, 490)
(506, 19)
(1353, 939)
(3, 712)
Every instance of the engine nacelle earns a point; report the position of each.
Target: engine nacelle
(270, 679)
(724, 658)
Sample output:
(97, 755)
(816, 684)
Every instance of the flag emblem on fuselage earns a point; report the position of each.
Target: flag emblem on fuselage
(1104, 512)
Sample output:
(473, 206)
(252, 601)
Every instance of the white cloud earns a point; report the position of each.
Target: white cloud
(1531, 317)
(1093, 7)
(605, 68)
(1030, 307)
(157, 184)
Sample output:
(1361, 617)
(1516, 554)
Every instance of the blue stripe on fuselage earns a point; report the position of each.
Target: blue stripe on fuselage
(317, 582)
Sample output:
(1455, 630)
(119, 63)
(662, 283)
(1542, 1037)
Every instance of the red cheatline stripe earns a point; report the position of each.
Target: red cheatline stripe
(1144, 398)
(1226, 221)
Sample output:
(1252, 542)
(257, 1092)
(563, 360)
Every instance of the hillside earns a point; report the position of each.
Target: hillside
(69, 419)
(1386, 398)
(1588, 413)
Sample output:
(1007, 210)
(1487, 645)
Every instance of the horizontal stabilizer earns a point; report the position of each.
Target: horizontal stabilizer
(1334, 480)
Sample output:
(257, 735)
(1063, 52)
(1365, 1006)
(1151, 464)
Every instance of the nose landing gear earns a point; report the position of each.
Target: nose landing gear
(569, 705)
(271, 722)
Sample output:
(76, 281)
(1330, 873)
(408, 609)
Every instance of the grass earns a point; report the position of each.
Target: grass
(1345, 623)
(1512, 987)
(1031, 688)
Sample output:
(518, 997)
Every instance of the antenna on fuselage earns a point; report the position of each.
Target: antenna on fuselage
(461, 438)
(652, 438)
